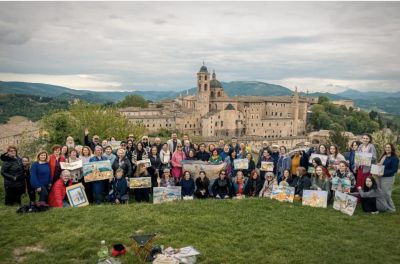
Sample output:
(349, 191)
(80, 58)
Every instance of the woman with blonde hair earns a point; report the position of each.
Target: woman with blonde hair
(270, 182)
(41, 176)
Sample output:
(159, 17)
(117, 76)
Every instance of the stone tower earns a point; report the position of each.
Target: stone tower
(203, 91)
(295, 100)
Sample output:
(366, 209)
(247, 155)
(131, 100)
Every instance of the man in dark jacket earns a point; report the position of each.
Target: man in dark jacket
(202, 154)
(14, 177)
(93, 143)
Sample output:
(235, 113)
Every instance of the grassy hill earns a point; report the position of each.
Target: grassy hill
(230, 231)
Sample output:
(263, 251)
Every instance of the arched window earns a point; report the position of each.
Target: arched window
(205, 87)
(205, 77)
(219, 94)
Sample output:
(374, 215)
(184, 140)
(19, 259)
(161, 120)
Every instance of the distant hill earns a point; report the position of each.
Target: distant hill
(380, 101)
(355, 94)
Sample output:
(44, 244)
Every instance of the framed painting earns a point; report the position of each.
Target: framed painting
(77, 196)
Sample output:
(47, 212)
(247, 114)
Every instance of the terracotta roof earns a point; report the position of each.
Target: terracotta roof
(8, 130)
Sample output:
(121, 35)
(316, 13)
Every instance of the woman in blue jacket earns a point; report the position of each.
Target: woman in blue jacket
(187, 184)
(391, 162)
(41, 177)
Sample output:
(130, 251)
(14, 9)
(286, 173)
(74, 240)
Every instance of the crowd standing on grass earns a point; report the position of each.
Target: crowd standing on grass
(45, 182)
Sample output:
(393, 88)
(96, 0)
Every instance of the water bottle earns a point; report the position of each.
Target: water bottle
(103, 252)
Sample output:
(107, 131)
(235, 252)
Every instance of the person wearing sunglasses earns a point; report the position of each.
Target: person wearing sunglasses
(222, 186)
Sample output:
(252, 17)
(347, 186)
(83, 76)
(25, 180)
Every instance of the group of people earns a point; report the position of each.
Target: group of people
(45, 178)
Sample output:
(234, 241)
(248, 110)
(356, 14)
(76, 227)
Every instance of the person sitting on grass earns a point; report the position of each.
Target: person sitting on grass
(286, 178)
(58, 197)
(119, 193)
(301, 182)
(270, 182)
(202, 184)
(221, 188)
(187, 184)
(344, 173)
(142, 194)
(372, 197)
(254, 184)
(167, 180)
(239, 186)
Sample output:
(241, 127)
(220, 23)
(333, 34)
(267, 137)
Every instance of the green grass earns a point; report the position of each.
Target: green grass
(230, 231)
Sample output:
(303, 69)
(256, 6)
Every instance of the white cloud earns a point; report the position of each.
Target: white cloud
(153, 45)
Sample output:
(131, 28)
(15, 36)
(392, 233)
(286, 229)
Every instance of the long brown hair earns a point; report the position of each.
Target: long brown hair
(393, 152)
(40, 153)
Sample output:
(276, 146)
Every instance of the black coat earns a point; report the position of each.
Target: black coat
(125, 165)
(300, 184)
(12, 171)
(253, 187)
(204, 156)
(221, 187)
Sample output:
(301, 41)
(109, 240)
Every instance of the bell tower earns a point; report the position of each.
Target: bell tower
(203, 90)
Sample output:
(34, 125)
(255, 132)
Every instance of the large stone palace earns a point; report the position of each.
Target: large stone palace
(212, 113)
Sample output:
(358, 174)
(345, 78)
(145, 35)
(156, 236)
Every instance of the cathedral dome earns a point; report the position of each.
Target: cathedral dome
(215, 84)
(203, 69)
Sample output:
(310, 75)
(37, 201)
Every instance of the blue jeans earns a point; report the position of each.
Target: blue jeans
(98, 188)
(43, 194)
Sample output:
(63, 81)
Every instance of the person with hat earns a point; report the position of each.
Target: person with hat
(270, 182)
(54, 162)
(146, 143)
(94, 142)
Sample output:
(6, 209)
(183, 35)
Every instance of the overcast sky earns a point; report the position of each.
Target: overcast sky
(161, 46)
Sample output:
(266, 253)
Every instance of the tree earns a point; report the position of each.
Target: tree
(99, 120)
(323, 99)
(134, 100)
(381, 138)
(338, 138)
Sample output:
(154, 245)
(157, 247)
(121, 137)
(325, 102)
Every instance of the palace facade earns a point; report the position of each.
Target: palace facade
(212, 113)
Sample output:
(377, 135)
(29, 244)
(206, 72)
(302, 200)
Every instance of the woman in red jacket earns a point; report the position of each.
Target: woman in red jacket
(54, 162)
(58, 197)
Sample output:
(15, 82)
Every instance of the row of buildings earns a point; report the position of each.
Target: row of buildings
(211, 113)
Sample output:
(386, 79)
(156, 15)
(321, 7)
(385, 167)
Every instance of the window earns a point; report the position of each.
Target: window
(205, 87)
(216, 124)
(222, 123)
(205, 77)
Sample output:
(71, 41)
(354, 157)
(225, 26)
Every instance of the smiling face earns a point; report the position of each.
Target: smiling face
(25, 161)
(64, 150)
(322, 149)
(332, 150)
(154, 151)
(388, 149)
(319, 171)
(365, 140)
(286, 174)
(342, 167)
(73, 154)
(43, 157)
(187, 175)
(108, 151)
(57, 151)
(121, 153)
